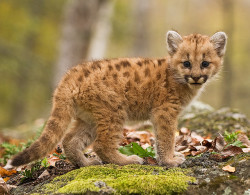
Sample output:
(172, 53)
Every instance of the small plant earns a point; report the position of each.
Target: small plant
(61, 156)
(232, 139)
(12, 149)
(28, 173)
(136, 149)
(45, 163)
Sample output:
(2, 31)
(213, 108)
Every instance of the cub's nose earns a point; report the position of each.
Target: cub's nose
(196, 79)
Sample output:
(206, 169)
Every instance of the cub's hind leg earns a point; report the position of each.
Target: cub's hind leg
(79, 137)
(109, 134)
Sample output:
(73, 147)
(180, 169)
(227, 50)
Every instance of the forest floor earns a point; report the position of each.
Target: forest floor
(215, 144)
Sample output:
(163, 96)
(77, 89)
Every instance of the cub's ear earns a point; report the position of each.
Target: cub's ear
(219, 41)
(173, 41)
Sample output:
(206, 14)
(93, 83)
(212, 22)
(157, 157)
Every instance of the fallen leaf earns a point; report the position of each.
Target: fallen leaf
(207, 143)
(146, 145)
(184, 131)
(180, 148)
(44, 174)
(179, 139)
(244, 139)
(246, 150)
(231, 151)
(219, 143)
(142, 136)
(150, 161)
(229, 168)
(52, 160)
(6, 179)
(186, 152)
(4, 172)
(196, 139)
(196, 150)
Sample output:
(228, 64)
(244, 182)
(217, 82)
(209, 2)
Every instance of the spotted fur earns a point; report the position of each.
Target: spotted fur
(97, 97)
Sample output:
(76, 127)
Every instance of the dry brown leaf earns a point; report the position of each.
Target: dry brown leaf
(142, 136)
(231, 151)
(44, 174)
(196, 150)
(196, 137)
(150, 161)
(219, 143)
(246, 150)
(207, 143)
(179, 139)
(186, 152)
(244, 139)
(184, 131)
(229, 168)
(52, 160)
(180, 148)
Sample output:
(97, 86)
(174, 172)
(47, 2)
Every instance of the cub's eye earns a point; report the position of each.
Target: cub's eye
(187, 64)
(205, 64)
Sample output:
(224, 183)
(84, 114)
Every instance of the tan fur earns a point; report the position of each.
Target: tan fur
(99, 96)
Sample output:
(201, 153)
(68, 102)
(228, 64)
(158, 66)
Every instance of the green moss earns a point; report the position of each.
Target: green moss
(115, 179)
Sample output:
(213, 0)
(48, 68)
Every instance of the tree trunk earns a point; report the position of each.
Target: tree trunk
(141, 22)
(79, 19)
(228, 23)
(101, 32)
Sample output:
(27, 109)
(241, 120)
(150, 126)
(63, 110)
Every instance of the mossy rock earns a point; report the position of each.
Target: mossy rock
(114, 179)
(204, 120)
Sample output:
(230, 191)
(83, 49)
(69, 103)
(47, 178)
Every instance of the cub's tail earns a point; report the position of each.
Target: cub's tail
(52, 134)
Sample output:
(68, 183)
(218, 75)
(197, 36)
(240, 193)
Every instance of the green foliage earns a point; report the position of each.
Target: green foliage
(12, 149)
(232, 139)
(136, 149)
(28, 173)
(45, 163)
(61, 156)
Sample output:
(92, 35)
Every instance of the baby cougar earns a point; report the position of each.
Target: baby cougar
(94, 99)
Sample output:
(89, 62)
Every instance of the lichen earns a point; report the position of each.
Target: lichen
(206, 121)
(135, 179)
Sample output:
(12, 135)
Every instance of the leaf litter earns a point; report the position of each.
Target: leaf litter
(139, 141)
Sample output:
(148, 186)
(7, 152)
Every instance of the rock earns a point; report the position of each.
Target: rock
(44, 174)
(3, 187)
(100, 184)
(204, 120)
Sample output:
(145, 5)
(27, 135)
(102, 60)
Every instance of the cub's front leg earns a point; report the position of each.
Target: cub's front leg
(164, 119)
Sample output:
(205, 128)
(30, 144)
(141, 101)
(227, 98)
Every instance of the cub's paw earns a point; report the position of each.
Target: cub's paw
(94, 161)
(134, 159)
(172, 162)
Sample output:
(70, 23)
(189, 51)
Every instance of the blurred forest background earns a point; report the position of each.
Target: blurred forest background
(40, 40)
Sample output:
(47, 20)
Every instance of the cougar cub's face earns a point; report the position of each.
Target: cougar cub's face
(195, 58)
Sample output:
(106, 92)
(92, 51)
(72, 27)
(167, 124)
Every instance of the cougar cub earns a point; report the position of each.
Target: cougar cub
(97, 97)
